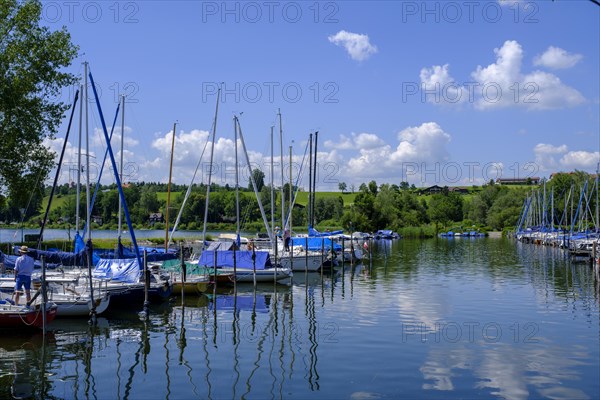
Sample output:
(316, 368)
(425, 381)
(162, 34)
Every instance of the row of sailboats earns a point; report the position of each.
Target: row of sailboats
(84, 285)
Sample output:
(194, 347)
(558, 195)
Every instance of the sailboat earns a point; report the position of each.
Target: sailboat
(252, 265)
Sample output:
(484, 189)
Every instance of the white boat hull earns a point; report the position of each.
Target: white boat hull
(310, 263)
(72, 307)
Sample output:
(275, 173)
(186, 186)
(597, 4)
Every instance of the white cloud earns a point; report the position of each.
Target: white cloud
(551, 158)
(356, 142)
(580, 160)
(343, 143)
(357, 45)
(425, 142)
(500, 84)
(437, 79)
(419, 148)
(557, 58)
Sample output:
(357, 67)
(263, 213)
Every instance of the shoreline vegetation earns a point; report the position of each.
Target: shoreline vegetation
(411, 212)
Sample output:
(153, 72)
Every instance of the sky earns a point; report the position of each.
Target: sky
(429, 92)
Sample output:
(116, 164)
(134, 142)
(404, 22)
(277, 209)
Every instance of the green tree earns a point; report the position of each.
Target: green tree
(259, 179)
(386, 205)
(373, 188)
(342, 186)
(444, 208)
(32, 75)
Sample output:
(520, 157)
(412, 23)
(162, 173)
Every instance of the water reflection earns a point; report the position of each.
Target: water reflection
(424, 319)
(22, 363)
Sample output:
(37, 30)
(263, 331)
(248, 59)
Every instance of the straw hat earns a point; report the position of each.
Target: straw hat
(24, 250)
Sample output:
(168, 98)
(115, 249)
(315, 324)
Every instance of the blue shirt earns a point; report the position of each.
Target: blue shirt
(24, 265)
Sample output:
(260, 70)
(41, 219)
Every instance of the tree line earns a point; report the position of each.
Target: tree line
(402, 208)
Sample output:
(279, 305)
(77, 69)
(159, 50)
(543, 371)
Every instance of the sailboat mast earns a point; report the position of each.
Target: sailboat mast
(120, 226)
(314, 180)
(78, 189)
(260, 205)
(291, 192)
(282, 175)
(272, 187)
(310, 176)
(169, 188)
(212, 153)
(237, 180)
(87, 155)
(597, 220)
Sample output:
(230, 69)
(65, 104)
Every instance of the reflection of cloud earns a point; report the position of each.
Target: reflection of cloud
(438, 368)
(422, 318)
(503, 371)
(508, 370)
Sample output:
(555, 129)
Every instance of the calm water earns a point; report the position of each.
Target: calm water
(437, 319)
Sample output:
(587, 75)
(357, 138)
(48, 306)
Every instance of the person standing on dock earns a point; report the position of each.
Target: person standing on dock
(23, 269)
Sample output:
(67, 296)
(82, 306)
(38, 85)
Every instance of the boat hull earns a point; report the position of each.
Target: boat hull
(18, 317)
(300, 262)
(82, 307)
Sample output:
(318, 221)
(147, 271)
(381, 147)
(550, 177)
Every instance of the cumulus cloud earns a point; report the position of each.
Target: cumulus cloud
(500, 84)
(425, 143)
(357, 45)
(557, 58)
(580, 160)
(549, 158)
(355, 142)
(437, 80)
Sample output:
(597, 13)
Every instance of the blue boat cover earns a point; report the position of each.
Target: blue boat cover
(122, 270)
(243, 259)
(9, 262)
(316, 243)
(312, 232)
(65, 258)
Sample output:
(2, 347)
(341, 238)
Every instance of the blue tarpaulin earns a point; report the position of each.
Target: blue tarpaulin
(122, 270)
(312, 232)
(316, 243)
(243, 259)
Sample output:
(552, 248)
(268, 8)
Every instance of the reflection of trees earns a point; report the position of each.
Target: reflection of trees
(548, 269)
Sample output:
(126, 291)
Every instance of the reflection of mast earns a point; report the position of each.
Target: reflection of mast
(87, 362)
(274, 335)
(166, 346)
(236, 342)
(137, 361)
(313, 375)
(263, 337)
(206, 358)
(118, 342)
(182, 345)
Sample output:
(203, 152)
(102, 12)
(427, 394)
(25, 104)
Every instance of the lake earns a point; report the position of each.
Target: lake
(438, 319)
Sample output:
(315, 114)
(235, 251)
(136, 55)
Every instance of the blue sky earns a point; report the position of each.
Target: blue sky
(449, 93)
